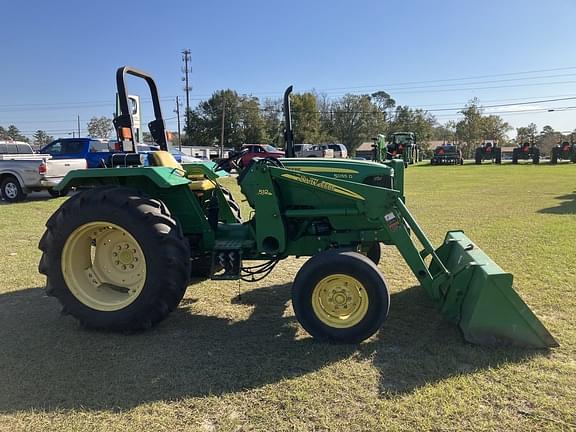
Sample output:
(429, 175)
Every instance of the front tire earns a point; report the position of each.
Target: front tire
(115, 259)
(340, 296)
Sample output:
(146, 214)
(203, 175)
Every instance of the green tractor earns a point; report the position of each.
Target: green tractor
(398, 145)
(119, 254)
(447, 154)
(563, 151)
(526, 151)
(489, 150)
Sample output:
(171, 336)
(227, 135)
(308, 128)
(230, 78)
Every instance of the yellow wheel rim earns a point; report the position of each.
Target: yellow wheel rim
(103, 266)
(340, 301)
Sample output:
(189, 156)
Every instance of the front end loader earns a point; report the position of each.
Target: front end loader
(119, 254)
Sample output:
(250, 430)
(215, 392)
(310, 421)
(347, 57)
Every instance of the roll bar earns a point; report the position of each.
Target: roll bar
(124, 124)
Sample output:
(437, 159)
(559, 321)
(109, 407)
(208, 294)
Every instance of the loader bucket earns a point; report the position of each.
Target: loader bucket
(478, 295)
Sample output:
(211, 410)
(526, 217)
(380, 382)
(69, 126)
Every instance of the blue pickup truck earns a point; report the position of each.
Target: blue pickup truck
(96, 152)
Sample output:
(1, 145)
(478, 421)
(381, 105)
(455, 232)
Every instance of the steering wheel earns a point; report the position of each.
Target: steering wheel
(231, 162)
(273, 161)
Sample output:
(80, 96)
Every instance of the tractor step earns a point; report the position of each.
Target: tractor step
(227, 260)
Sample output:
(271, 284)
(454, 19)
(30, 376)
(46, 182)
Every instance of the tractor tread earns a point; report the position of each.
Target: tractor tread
(165, 247)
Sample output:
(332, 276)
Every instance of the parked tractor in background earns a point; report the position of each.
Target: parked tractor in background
(447, 154)
(490, 151)
(119, 254)
(526, 151)
(564, 151)
(397, 145)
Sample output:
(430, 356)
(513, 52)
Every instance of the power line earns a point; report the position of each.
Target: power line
(459, 79)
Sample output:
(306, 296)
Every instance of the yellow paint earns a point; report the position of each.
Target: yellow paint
(314, 169)
(103, 266)
(340, 301)
(322, 184)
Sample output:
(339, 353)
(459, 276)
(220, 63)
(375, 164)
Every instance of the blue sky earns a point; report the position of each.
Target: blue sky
(59, 58)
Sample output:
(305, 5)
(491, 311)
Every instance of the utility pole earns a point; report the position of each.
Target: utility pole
(222, 131)
(177, 110)
(186, 59)
(78, 126)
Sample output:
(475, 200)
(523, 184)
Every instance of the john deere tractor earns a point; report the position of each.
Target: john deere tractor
(563, 151)
(526, 151)
(489, 150)
(119, 254)
(397, 145)
(447, 154)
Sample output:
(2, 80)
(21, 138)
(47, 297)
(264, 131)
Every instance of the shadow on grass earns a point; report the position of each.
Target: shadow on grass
(32, 197)
(419, 347)
(52, 363)
(567, 206)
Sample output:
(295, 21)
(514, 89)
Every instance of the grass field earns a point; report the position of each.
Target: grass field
(233, 358)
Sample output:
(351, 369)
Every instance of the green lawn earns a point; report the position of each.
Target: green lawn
(230, 362)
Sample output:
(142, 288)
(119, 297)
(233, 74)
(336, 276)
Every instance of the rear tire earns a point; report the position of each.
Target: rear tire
(11, 190)
(340, 296)
(554, 156)
(130, 291)
(515, 156)
(478, 157)
(498, 158)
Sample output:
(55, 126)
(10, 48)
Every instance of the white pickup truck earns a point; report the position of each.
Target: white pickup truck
(22, 171)
(313, 150)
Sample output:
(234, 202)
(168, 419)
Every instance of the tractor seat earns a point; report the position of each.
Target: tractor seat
(165, 159)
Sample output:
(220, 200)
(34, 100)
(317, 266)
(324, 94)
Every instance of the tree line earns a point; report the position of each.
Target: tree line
(351, 120)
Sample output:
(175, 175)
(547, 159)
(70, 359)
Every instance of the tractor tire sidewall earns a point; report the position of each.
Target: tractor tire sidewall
(10, 180)
(167, 256)
(348, 263)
